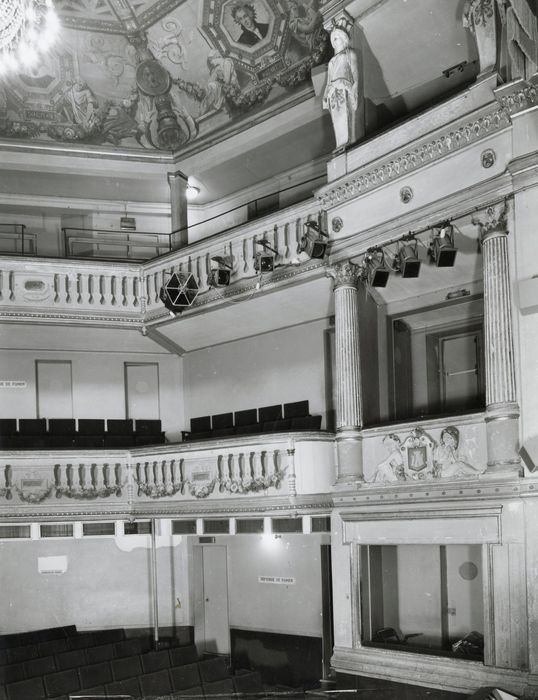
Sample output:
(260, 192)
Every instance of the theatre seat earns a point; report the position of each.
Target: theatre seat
(200, 429)
(62, 433)
(222, 425)
(246, 422)
(32, 434)
(149, 432)
(119, 433)
(8, 431)
(91, 433)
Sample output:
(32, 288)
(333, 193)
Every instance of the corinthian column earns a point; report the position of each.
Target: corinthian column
(348, 376)
(502, 410)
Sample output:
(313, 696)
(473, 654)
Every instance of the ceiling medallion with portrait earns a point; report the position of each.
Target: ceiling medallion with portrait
(269, 41)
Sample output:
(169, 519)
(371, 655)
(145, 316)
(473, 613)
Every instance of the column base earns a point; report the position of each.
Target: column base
(502, 435)
(349, 458)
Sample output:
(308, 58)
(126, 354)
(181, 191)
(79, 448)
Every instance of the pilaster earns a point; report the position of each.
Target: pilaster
(348, 378)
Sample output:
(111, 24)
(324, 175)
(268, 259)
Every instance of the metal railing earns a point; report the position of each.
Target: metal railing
(102, 244)
(14, 239)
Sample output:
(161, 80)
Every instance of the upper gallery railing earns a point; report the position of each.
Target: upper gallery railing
(105, 288)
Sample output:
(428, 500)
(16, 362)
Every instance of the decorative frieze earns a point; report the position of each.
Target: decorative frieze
(426, 151)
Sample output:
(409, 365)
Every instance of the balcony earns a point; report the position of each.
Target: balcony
(129, 291)
(279, 470)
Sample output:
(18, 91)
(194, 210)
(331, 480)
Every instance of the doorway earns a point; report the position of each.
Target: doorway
(211, 624)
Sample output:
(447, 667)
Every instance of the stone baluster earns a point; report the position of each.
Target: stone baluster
(82, 476)
(257, 464)
(158, 473)
(502, 409)
(167, 473)
(90, 288)
(99, 476)
(60, 476)
(348, 377)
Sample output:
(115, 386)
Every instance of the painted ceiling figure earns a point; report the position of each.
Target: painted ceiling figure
(81, 105)
(252, 32)
(221, 73)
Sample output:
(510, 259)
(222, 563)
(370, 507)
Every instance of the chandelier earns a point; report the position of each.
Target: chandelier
(27, 29)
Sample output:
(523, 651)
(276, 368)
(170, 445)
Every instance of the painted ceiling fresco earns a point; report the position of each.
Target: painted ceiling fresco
(158, 74)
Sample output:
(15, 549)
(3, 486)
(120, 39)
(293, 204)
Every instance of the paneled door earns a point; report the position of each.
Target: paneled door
(211, 625)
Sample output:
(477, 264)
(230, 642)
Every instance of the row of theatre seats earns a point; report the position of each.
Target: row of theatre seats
(105, 663)
(268, 419)
(86, 433)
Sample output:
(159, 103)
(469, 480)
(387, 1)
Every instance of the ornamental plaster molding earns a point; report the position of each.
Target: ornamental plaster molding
(426, 151)
(518, 96)
(47, 316)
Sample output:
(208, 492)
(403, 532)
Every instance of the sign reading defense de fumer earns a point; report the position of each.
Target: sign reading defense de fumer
(13, 384)
(288, 581)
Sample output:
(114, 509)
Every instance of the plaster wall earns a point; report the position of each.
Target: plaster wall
(272, 368)
(278, 608)
(98, 385)
(106, 584)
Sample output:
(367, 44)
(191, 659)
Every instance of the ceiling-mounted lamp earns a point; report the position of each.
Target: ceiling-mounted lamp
(221, 270)
(192, 192)
(265, 262)
(376, 270)
(442, 249)
(179, 292)
(312, 242)
(407, 260)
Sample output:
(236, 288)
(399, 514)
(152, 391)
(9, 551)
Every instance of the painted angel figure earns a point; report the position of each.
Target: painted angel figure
(341, 95)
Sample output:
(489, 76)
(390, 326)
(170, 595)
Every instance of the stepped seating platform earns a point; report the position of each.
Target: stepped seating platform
(84, 433)
(62, 663)
(267, 419)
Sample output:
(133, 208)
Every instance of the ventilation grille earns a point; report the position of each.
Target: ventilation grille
(9, 532)
(249, 526)
(57, 530)
(217, 527)
(98, 529)
(183, 527)
(283, 525)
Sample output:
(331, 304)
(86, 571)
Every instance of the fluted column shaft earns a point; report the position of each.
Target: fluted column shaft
(348, 376)
(502, 410)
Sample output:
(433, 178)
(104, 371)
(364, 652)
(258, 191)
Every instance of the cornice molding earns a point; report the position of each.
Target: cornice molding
(47, 316)
(425, 151)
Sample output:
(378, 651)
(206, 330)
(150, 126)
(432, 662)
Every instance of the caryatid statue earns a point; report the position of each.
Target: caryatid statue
(341, 95)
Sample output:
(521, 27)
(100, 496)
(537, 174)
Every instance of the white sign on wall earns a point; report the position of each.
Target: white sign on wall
(13, 384)
(52, 565)
(286, 580)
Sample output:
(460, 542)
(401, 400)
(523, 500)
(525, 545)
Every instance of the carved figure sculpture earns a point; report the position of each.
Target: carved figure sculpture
(392, 467)
(448, 459)
(341, 95)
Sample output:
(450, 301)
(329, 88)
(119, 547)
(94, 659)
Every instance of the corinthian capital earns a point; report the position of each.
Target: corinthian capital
(492, 220)
(344, 274)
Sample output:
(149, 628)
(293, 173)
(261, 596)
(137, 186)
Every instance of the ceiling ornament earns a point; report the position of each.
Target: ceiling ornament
(28, 28)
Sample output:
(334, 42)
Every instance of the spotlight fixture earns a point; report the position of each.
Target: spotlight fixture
(179, 292)
(265, 262)
(311, 241)
(219, 276)
(376, 271)
(408, 262)
(442, 249)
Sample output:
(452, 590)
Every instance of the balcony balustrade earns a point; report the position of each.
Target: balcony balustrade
(285, 465)
(122, 290)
